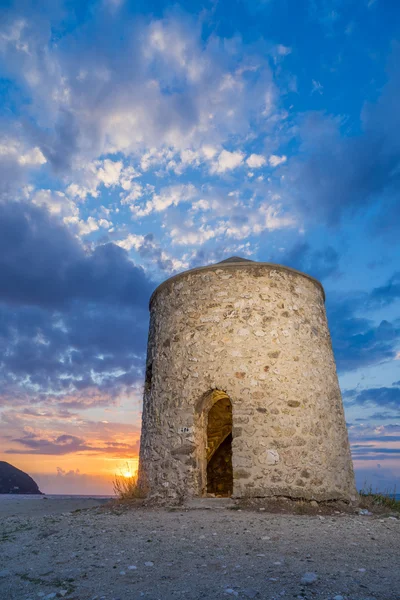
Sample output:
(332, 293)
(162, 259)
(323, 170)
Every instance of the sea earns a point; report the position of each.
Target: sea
(396, 496)
(56, 496)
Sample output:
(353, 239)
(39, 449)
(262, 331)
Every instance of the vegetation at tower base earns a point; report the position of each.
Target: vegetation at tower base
(372, 500)
(126, 486)
(15, 481)
(254, 338)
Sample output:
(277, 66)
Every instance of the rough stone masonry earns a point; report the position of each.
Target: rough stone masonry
(241, 392)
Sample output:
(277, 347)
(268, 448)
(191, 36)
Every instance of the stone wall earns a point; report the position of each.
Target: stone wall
(259, 334)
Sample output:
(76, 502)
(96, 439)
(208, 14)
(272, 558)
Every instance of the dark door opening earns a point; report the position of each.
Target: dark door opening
(219, 449)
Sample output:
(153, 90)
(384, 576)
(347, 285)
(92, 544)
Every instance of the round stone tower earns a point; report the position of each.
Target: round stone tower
(241, 394)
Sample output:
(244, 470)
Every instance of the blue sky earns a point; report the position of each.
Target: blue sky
(141, 139)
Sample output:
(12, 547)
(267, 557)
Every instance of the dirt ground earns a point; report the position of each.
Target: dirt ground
(211, 550)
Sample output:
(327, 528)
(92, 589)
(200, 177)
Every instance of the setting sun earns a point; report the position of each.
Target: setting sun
(127, 474)
(128, 470)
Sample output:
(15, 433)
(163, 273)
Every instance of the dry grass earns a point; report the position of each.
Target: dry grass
(127, 488)
(386, 499)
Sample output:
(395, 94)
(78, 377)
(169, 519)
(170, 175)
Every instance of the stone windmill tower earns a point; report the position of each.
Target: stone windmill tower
(241, 394)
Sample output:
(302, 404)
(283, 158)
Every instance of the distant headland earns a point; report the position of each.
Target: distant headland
(15, 481)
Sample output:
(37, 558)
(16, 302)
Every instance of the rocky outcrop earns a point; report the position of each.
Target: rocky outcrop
(14, 481)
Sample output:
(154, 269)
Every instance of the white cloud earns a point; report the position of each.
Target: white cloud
(156, 157)
(283, 50)
(32, 157)
(269, 103)
(255, 161)
(279, 52)
(167, 40)
(190, 100)
(209, 152)
(127, 177)
(131, 241)
(77, 191)
(173, 196)
(271, 219)
(196, 236)
(317, 87)
(104, 223)
(150, 250)
(13, 35)
(170, 196)
(135, 192)
(56, 203)
(191, 157)
(264, 219)
(201, 205)
(109, 172)
(83, 227)
(227, 161)
(231, 219)
(275, 160)
(213, 98)
(15, 149)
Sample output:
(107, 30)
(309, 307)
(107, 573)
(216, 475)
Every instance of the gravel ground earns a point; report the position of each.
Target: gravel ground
(150, 553)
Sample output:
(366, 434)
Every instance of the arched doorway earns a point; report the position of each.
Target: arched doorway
(219, 448)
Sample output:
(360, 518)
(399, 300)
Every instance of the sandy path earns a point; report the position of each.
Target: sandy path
(216, 554)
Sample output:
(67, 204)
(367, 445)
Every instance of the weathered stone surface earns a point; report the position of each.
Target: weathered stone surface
(204, 339)
(272, 457)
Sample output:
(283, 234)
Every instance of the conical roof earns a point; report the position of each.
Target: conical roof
(234, 259)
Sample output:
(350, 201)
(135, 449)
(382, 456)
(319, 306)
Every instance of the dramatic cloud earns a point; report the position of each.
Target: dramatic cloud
(339, 173)
(358, 338)
(387, 294)
(73, 322)
(70, 444)
(42, 264)
(318, 263)
(381, 416)
(358, 341)
(382, 397)
(135, 145)
(176, 91)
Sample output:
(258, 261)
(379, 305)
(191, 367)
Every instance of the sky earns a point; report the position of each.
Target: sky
(140, 139)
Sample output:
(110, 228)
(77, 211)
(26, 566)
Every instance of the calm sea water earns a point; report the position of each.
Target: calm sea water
(77, 496)
(53, 496)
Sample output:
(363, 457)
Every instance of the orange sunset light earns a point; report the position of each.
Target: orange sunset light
(129, 470)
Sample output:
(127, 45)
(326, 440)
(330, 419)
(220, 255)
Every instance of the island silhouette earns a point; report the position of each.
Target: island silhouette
(15, 481)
